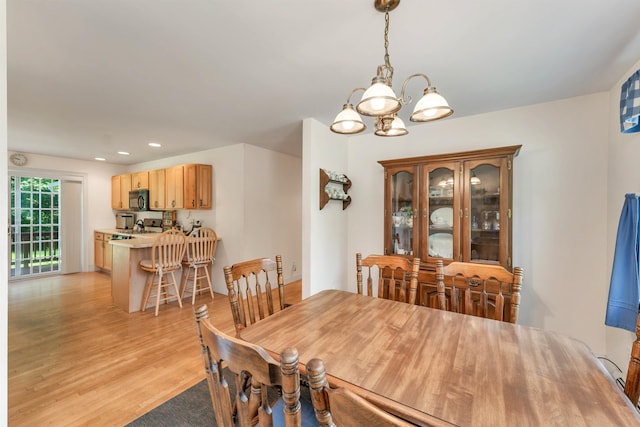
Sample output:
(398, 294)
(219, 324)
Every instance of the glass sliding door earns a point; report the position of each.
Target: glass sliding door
(35, 226)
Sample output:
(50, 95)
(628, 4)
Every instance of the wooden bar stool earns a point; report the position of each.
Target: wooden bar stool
(201, 249)
(167, 253)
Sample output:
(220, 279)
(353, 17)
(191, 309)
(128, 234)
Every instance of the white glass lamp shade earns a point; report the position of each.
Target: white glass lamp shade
(397, 128)
(378, 100)
(432, 106)
(444, 183)
(347, 121)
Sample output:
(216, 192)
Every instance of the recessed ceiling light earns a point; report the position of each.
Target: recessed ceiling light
(124, 153)
(155, 144)
(101, 159)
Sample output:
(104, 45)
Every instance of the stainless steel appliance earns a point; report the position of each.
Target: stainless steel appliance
(124, 221)
(120, 237)
(139, 200)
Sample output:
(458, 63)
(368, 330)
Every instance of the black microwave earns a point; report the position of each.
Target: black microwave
(139, 200)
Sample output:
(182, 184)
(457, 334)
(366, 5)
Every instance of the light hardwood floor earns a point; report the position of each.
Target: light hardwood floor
(75, 359)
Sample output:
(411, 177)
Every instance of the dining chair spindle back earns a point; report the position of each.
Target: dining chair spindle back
(253, 372)
(632, 382)
(342, 407)
(396, 277)
(252, 291)
(482, 290)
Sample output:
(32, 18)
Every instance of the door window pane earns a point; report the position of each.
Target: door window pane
(34, 225)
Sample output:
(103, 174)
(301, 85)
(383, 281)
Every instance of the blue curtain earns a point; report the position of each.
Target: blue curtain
(630, 104)
(624, 294)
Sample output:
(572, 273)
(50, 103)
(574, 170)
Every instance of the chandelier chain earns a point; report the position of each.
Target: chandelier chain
(387, 62)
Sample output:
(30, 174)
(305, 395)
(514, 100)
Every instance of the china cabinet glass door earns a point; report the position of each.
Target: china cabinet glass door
(400, 222)
(485, 212)
(440, 214)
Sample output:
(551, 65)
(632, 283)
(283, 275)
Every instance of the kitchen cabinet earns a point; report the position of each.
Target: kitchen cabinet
(174, 187)
(455, 207)
(140, 180)
(103, 254)
(120, 187)
(198, 183)
(157, 189)
(177, 187)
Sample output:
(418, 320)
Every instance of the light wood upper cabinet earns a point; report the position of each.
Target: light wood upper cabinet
(174, 179)
(205, 186)
(157, 189)
(120, 187)
(454, 207)
(177, 187)
(198, 186)
(139, 180)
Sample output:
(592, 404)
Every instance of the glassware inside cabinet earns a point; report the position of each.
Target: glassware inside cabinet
(485, 207)
(441, 204)
(402, 211)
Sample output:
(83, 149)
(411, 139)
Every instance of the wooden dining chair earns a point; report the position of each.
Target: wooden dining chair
(201, 248)
(245, 401)
(342, 407)
(482, 290)
(252, 290)
(167, 253)
(632, 383)
(396, 276)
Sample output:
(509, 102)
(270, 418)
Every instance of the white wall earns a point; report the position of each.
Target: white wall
(256, 205)
(325, 232)
(96, 192)
(273, 208)
(623, 177)
(559, 202)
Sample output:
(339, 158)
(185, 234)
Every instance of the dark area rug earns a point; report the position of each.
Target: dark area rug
(192, 407)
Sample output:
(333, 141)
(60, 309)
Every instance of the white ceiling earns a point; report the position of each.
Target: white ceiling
(89, 78)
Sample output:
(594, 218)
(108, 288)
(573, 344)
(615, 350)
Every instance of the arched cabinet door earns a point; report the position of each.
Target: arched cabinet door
(486, 212)
(440, 219)
(401, 209)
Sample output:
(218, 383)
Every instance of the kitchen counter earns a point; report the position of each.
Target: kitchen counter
(135, 242)
(132, 234)
(127, 278)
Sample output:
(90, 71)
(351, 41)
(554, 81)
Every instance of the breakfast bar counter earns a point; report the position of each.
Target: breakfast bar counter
(127, 278)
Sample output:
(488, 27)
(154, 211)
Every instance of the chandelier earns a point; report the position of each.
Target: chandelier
(381, 102)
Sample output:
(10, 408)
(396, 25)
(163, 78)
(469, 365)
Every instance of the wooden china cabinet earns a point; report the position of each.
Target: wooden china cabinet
(454, 207)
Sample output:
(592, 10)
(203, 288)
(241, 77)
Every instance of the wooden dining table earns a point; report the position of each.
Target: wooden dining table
(440, 368)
